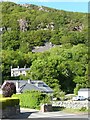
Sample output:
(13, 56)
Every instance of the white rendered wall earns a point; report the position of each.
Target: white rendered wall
(83, 93)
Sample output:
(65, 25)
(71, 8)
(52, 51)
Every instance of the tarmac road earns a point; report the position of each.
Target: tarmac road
(38, 115)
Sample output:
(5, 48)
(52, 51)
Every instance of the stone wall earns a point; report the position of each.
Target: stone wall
(46, 108)
(72, 104)
(8, 112)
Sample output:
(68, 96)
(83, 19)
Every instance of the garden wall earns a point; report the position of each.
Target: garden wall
(9, 107)
(72, 104)
(8, 112)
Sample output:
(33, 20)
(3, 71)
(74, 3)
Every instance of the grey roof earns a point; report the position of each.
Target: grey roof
(46, 47)
(21, 82)
(29, 87)
(21, 69)
(24, 85)
(46, 89)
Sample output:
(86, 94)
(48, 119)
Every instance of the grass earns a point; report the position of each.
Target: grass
(71, 110)
(0, 96)
(76, 111)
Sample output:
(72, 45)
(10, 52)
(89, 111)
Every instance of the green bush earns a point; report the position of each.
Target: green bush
(69, 96)
(83, 109)
(5, 102)
(32, 99)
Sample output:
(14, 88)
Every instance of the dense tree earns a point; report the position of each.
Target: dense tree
(8, 89)
(40, 24)
(65, 66)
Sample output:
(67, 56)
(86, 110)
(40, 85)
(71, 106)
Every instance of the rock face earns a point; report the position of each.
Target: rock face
(78, 28)
(43, 26)
(23, 25)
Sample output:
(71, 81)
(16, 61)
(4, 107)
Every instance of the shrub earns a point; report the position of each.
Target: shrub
(5, 102)
(69, 96)
(8, 89)
(83, 109)
(32, 99)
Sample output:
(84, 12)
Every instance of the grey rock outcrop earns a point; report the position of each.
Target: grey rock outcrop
(23, 24)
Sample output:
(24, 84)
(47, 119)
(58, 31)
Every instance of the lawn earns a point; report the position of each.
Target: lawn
(71, 110)
(0, 96)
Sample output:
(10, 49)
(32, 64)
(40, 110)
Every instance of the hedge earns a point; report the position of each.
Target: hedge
(32, 99)
(7, 102)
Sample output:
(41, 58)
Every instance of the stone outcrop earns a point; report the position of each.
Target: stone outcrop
(23, 24)
(44, 26)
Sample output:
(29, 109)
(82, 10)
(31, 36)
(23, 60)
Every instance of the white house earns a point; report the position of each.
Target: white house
(85, 92)
(18, 71)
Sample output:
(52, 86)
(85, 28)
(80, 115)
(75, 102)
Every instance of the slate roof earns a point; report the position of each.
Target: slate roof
(46, 47)
(20, 69)
(29, 87)
(24, 86)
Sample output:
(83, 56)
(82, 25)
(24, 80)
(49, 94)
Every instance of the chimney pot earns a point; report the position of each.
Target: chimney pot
(17, 86)
(29, 81)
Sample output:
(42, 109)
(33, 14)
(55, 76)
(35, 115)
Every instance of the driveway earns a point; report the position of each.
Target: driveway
(36, 114)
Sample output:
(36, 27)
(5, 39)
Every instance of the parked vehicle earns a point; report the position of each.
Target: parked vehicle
(78, 98)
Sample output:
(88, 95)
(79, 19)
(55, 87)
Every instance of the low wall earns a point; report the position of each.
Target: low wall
(8, 112)
(72, 104)
(46, 108)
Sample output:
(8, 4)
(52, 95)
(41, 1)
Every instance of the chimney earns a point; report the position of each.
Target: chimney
(29, 81)
(17, 86)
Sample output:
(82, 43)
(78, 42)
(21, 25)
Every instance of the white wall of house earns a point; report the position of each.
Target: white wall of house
(23, 73)
(15, 72)
(84, 93)
(19, 71)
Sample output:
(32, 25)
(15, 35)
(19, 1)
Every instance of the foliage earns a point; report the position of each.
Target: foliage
(8, 89)
(9, 101)
(43, 25)
(83, 109)
(32, 99)
(69, 96)
(65, 66)
(62, 68)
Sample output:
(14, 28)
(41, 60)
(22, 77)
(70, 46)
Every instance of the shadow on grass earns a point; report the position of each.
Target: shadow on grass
(57, 108)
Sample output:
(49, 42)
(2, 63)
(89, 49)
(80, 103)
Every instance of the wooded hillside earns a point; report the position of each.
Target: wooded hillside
(65, 66)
